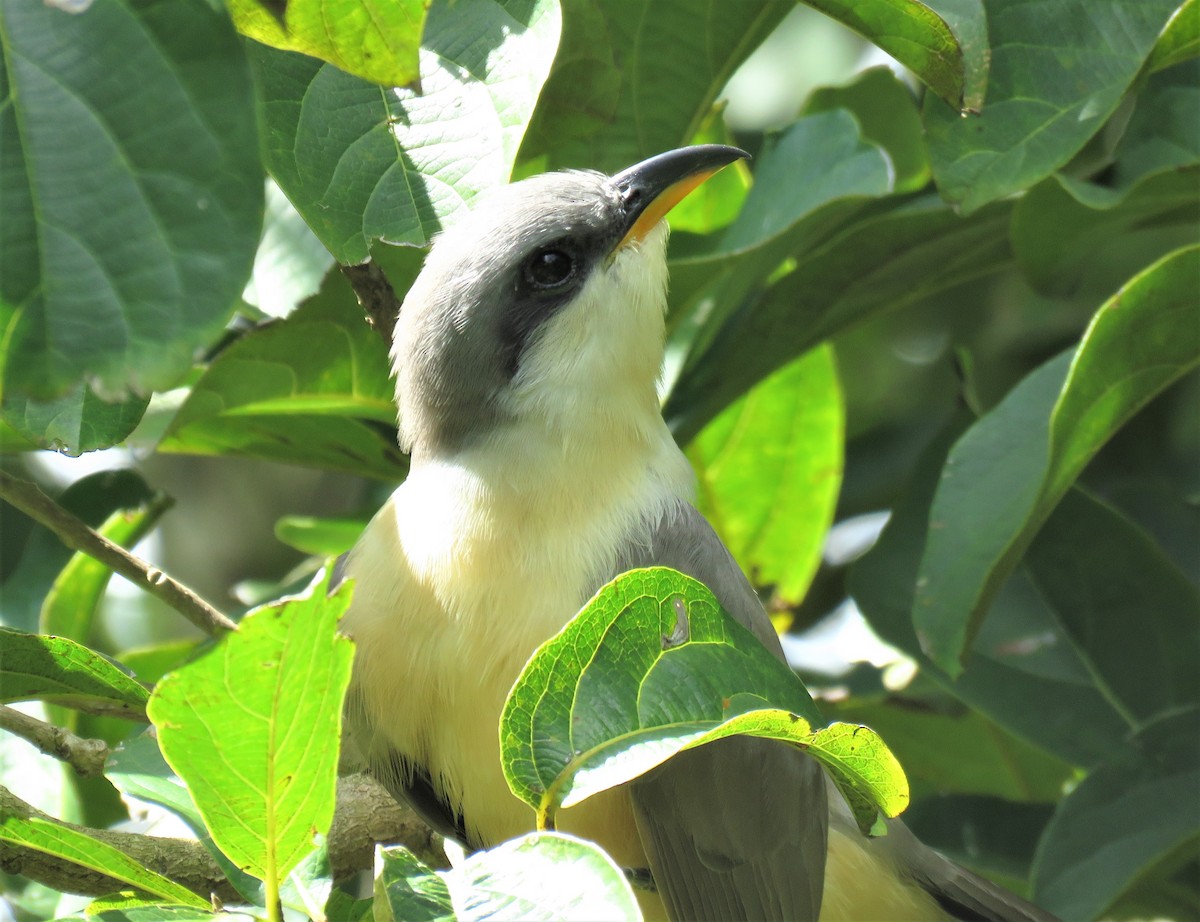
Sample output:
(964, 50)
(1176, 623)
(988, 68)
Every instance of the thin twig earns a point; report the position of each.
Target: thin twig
(76, 535)
(86, 756)
(376, 296)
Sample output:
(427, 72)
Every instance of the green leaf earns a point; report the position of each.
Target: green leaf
(882, 261)
(79, 421)
(1020, 660)
(888, 118)
(290, 263)
(1160, 137)
(1059, 68)
(261, 763)
(1147, 790)
(779, 218)
(959, 752)
(545, 876)
(1180, 40)
(312, 389)
(634, 79)
(81, 849)
(406, 890)
(1063, 243)
(42, 556)
(323, 537)
(132, 191)
(137, 769)
(374, 40)
(541, 876)
(70, 606)
(987, 834)
(361, 162)
(649, 667)
(1101, 573)
(769, 468)
(138, 911)
(38, 667)
(917, 37)
(1006, 474)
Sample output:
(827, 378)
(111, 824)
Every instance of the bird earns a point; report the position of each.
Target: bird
(527, 356)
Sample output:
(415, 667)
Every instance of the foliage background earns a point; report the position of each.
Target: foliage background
(870, 319)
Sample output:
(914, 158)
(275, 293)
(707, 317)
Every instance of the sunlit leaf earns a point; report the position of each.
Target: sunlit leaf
(261, 763)
(769, 468)
(362, 162)
(370, 39)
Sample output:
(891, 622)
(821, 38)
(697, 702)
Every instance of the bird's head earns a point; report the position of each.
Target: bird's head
(545, 302)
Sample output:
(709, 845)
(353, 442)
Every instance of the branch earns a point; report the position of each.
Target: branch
(377, 297)
(86, 756)
(78, 537)
(366, 815)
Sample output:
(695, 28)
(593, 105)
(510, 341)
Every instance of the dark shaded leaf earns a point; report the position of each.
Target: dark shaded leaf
(1131, 614)
(1141, 804)
(132, 192)
(1008, 471)
(1059, 68)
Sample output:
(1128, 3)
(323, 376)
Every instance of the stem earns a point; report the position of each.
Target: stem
(376, 295)
(76, 535)
(86, 756)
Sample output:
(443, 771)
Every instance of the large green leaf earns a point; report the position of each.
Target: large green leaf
(137, 769)
(290, 263)
(311, 389)
(251, 726)
(1059, 68)
(371, 39)
(362, 162)
(960, 751)
(886, 259)
(407, 890)
(1021, 658)
(76, 422)
(1135, 809)
(634, 79)
(542, 876)
(1063, 243)
(923, 41)
(769, 468)
(1008, 471)
(81, 849)
(649, 667)
(779, 218)
(887, 117)
(36, 666)
(132, 191)
(1102, 574)
(1180, 40)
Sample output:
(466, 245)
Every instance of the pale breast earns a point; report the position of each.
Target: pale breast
(455, 587)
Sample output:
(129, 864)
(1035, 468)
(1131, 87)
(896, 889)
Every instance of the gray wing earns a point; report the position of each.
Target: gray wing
(962, 894)
(735, 829)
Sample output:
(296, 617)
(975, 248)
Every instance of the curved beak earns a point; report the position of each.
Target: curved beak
(653, 187)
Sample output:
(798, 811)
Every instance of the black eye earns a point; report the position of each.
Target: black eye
(549, 268)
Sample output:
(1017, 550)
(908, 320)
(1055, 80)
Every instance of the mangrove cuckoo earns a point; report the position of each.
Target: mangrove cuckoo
(526, 356)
